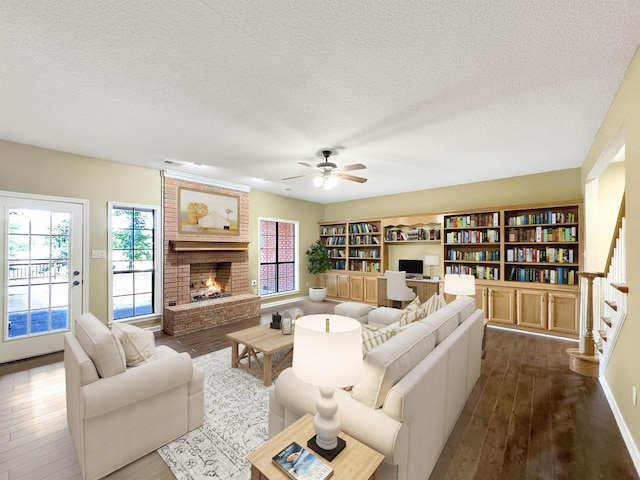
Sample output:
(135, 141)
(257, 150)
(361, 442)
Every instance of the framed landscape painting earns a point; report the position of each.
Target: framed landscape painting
(207, 213)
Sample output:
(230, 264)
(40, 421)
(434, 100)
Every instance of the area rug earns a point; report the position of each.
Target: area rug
(236, 405)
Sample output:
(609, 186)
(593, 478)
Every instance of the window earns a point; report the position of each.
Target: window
(278, 256)
(135, 273)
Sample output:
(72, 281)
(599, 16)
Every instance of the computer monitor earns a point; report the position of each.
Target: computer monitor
(412, 267)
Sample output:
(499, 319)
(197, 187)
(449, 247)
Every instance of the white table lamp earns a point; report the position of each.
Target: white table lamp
(327, 353)
(455, 284)
(431, 261)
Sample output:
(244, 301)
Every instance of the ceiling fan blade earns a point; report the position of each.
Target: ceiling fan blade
(304, 164)
(298, 176)
(353, 178)
(355, 166)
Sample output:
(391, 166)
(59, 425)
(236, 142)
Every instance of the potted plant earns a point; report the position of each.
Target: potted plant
(318, 262)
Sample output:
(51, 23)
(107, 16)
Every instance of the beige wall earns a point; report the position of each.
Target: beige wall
(28, 169)
(623, 122)
(34, 170)
(267, 205)
(544, 187)
(610, 192)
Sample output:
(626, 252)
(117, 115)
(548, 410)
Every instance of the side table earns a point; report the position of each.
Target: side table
(356, 462)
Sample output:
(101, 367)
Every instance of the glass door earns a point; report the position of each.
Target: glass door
(41, 274)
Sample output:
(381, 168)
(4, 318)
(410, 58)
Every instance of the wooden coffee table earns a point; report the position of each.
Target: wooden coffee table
(356, 462)
(261, 339)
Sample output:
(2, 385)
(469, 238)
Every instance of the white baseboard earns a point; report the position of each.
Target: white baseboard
(626, 434)
(279, 303)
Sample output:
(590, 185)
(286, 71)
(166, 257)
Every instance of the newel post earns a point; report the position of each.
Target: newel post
(589, 345)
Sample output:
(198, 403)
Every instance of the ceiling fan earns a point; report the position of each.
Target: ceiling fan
(327, 173)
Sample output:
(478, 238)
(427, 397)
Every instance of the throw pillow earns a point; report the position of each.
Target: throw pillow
(411, 312)
(373, 336)
(435, 303)
(101, 345)
(139, 345)
(395, 328)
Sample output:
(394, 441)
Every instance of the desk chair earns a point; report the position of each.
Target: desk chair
(397, 290)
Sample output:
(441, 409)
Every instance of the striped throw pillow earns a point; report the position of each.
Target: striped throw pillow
(435, 303)
(411, 313)
(372, 337)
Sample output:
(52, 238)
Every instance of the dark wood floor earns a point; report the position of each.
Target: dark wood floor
(529, 416)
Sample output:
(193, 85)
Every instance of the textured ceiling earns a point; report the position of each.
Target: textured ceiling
(426, 94)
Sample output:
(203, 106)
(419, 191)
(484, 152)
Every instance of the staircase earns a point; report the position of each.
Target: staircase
(614, 304)
(610, 295)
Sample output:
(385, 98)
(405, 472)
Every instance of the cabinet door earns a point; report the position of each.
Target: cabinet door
(501, 303)
(482, 294)
(357, 288)
(371, 290)
(332, 284)
(343, 287)
(531, 308)
(563, 311)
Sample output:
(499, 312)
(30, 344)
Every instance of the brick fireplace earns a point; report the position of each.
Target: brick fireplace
(190, 259)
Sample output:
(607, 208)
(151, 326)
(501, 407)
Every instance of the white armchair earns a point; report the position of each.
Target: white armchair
(118, 414)
(397, 289)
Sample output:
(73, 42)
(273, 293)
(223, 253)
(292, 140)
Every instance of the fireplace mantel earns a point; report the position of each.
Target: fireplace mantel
(202, 246)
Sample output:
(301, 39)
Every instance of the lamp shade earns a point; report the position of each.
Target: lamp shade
(460, 284)
(327, 359)
(431, 260)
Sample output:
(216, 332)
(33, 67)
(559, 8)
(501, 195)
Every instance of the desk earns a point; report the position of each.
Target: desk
(356, 462)
(424, 288)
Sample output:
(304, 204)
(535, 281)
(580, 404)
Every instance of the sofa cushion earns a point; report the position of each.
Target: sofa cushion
(373, 337)
(464, 305)
(388, 363)
(139, 345)
(101, 345)
(442, 322)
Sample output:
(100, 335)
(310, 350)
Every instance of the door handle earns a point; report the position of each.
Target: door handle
(76, 283)
(76, 273)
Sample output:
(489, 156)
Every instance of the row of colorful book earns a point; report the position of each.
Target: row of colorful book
(473, 236)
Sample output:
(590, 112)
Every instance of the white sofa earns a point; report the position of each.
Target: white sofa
(414, 388)
(116, 413)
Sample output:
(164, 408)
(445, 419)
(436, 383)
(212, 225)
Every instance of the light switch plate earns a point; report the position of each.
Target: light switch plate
(98, 254)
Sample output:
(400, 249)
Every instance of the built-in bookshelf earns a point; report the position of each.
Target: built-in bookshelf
(525, 260)
(334, 237)
(415, 230)
(472, 244)
(542, 245)
(353, 246)
(365, 247)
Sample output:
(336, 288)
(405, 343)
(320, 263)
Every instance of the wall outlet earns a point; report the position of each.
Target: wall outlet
(254, 283)
(634, 396)
(98, 254)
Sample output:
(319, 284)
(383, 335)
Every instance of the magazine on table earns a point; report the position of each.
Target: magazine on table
(300, 464)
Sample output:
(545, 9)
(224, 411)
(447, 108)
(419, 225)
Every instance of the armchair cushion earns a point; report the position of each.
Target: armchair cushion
(139, 345)
(101, 345)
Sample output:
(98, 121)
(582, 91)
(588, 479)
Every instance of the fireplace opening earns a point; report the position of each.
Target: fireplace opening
(210, 281)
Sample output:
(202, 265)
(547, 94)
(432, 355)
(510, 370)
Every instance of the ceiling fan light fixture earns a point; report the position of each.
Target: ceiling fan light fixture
(325, 181)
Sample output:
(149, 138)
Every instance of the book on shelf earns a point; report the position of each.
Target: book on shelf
(300, 464)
